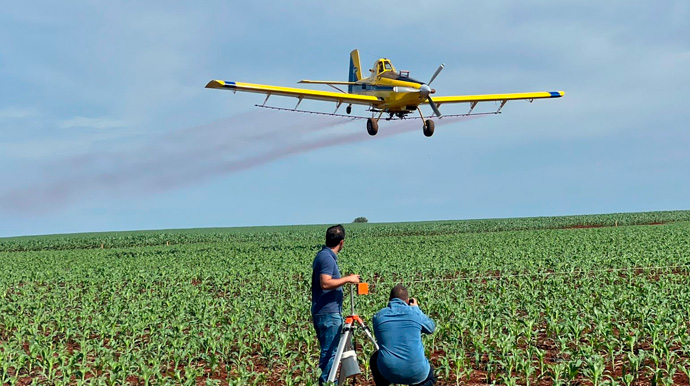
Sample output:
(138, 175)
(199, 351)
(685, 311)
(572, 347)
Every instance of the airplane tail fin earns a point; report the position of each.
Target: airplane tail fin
(355, 69)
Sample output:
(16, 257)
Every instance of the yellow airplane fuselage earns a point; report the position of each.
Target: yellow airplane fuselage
(396, 93)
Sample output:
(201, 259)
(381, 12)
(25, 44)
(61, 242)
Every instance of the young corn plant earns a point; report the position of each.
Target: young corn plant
(557, 371)
(595, 369)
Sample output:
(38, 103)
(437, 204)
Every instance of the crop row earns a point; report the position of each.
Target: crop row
(268, 235)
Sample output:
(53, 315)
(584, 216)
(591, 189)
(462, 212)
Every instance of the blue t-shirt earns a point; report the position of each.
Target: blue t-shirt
(325, 301)
(398, 329)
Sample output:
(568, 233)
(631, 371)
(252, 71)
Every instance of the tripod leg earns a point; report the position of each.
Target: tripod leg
(368, 334)
(344, 340)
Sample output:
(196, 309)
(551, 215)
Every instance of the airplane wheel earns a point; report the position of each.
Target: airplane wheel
(373, 126)
(428, 128)
(348, 109)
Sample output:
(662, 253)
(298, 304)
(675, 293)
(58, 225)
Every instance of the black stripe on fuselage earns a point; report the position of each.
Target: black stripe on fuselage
(397, 76)
(371, 87)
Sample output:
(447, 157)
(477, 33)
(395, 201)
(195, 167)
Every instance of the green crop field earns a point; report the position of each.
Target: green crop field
(587, 300)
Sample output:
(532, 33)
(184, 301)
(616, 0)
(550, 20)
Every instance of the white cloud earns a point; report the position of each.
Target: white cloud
(13, 112)
(38, 150)
(93, 123)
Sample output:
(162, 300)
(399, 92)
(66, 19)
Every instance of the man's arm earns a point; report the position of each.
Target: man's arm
(428, 325)
(329, 283)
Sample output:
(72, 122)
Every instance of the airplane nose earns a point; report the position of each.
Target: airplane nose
(424, 89)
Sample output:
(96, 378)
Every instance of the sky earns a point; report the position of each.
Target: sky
(105, 123)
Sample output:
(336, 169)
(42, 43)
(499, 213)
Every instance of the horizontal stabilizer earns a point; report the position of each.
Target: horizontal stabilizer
(324, 82)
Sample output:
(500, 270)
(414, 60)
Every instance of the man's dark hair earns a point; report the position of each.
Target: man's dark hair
(399, 292)
(334, 235)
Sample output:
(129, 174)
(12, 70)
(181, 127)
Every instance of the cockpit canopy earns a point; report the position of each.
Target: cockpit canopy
(383, 65)
(384, 69)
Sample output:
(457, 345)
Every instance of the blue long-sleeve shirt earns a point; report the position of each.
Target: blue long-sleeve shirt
(398, 329)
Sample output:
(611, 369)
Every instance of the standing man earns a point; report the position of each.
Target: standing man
(327, 297)
(399, 328)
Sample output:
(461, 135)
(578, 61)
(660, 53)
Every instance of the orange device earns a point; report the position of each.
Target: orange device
(362, 288)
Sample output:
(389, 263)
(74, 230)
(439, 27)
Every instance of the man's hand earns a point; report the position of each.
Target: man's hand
(413, 302)
(354, 279)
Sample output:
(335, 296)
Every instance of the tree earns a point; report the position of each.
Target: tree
(360, 220)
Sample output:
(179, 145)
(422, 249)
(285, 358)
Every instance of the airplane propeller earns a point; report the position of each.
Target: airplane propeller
(436, 73)
(426, 91)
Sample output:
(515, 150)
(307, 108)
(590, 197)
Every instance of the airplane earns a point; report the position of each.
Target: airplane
(385, 91)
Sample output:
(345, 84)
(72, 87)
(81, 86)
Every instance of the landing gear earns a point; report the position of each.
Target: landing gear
(428, 128)
(428, 124)
(348, 109)
(373, 126)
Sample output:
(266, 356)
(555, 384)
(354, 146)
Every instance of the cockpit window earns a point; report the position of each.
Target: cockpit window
(380, 67)
(388, 66)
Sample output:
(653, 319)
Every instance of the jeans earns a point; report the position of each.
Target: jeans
(327, 328)
(379, 380)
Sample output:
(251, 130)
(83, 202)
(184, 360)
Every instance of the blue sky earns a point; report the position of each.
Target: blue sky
(105, 123)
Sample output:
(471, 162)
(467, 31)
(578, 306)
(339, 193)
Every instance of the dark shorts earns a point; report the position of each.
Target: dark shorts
(381, 381)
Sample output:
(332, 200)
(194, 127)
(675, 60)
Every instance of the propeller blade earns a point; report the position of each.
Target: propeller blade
(436, 73)
(434, 107)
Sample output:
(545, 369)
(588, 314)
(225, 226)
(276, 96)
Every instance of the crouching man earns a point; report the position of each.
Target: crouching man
(398, 329)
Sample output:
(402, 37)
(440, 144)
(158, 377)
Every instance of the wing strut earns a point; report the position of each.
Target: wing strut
(337, 89)
(503, 103)
(472, 106)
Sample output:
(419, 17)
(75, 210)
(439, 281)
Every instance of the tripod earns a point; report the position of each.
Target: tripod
(345, 356)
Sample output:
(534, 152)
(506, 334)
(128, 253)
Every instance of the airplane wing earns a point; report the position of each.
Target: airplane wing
(496, 97)
(300, 93)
